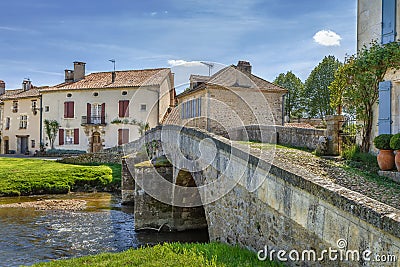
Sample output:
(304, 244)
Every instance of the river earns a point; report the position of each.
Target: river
(28, 236)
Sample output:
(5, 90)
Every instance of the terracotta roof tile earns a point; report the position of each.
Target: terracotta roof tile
(129, 78)
(19, 93)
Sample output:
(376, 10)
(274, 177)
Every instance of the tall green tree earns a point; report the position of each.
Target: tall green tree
(293, 99)
(359, 82)
(316, 91)
(51, 128)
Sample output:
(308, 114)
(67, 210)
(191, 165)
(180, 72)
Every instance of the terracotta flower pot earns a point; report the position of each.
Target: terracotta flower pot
(386, 160)
(397, 160)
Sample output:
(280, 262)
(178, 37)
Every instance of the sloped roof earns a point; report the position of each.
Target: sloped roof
(19, 93)
(128, 78)
(232, 77)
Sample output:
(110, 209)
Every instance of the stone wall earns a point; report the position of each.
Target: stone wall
(282, 207)
(292, 136)
(101, 157)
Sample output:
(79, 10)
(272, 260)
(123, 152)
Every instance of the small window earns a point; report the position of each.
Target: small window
(69, 95)
(33, 143)
(95, 94)
(34, 104)
(23, 123)
(69, 136)
(124, 92)
(15, 106)
(8, 120)
(143, 107)
(46, 109)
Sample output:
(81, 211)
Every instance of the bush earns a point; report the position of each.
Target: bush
(382, 141)
(395, 142)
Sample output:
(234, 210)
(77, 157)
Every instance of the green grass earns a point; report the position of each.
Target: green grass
(173, 254)
(32, 176)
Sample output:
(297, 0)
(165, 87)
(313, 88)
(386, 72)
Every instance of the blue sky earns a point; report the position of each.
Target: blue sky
(39, 39)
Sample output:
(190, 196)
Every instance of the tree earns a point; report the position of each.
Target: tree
(338, 96)
(359, 81)
(143, 126)
(293, 101)
(51, 127)
(316, 91)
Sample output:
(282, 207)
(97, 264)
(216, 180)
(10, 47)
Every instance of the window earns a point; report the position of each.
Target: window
(143, 107)
(68, 137)
(8, 120)
(46, 109)
(34, 104)
(191, 108)
(69, 109)
(23, 122)
(123, 108)
(95, 94)
(33, 143)
(124, 92)
(69, 95)
(123, 136)
(15, 106)
(388, 21)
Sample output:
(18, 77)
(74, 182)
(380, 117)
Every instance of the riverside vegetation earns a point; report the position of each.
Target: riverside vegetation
(170, 254)
(33, 176)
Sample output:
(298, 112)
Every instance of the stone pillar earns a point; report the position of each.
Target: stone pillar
(127, 183)
(333, 127)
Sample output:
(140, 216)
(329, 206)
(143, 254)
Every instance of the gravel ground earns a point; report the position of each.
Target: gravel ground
(385, 191)
(51, 204)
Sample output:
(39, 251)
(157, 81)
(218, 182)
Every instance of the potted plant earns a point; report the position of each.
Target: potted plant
(395, 145)
(385, 157)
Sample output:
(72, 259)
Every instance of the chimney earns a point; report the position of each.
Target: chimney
(2, 87)
(244, 66)
(113, 76)
(26, 84)
(79, 70)
(69, 76)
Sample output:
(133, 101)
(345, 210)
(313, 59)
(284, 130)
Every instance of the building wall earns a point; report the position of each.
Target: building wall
(369, 27)
(231, 108)
(32, 130)
(109, 133)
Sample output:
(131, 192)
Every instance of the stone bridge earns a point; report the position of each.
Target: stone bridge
(195, 179)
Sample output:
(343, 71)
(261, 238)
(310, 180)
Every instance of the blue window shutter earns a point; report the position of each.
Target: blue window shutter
(183, 110)
(199, 106)
(388, 21)
(194, 107)
(384, 118)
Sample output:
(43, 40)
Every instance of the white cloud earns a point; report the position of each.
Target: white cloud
(327, 38)
(153, 14)
(180, 62)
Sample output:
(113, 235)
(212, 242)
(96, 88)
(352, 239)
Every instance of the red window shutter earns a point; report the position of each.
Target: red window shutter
(103, 113)
(125, 136)
(119, 137)
(120, 108)
(61, 137)
(126, 108)
(76, 136)
(65, 109)
(71, 110)
(88, 112)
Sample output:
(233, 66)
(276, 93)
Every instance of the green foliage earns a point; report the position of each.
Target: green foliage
(33, 176)
(358, 83)
(316, 89)
(383, 141)
(293, 99)
(143, 126)
(51, 129)
(337, 89)
(395, 142)
(174, 254)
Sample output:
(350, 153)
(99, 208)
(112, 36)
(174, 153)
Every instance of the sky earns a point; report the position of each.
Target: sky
(41, 38)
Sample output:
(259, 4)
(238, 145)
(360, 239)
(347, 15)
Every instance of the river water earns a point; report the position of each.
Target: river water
(28, 236)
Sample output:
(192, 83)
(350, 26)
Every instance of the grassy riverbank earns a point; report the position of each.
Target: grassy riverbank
(174, 254)
(33, 176)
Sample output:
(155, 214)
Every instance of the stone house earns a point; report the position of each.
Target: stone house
(96, 111)
(379, 20)
(20, 127)
(231, 98)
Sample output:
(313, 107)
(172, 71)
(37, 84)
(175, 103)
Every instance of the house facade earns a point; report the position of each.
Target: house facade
(105, 109)
(20, 117)
(231, 98)
(380, 20)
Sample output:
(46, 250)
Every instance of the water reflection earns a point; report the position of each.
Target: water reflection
(28, 236)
